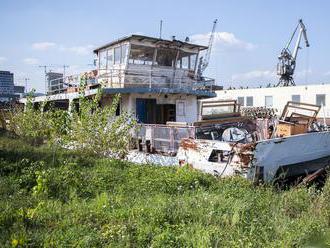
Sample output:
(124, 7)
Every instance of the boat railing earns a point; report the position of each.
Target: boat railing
(162, 138)
(154, 78)
(132, 78)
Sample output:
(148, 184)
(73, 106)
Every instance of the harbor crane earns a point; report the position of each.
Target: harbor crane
(204, 62)
(287, 60)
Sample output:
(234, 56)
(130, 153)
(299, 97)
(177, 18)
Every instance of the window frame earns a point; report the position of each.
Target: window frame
(292, 96)
(241, 98)
(272, 101)
(115, 62)
(174, 61)
(100, 59)
(149, 62)
(112, 55)
(249, 105)
(319, 95)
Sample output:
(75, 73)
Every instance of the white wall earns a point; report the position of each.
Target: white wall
(281, 95)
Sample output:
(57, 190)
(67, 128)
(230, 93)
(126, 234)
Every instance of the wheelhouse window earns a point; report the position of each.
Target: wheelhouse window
(110, 57)
(123, 53)
(166, 57)
(186, 60)
(320, 99)
(141, 55)
(117, 55)
(103, 59)
(193, 60)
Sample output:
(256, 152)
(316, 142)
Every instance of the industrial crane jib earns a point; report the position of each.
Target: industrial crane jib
(287, 60)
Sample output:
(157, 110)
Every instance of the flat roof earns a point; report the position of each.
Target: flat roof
(153, 40)
(110, 91)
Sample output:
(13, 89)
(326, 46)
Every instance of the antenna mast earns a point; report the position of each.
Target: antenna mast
(160, 29)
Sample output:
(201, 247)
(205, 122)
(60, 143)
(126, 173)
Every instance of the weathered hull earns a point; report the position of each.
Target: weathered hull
(294, 155)
(265, 160)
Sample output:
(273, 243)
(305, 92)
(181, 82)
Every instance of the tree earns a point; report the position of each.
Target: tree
(98, 130)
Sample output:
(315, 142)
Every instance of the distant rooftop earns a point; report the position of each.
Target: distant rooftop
(152, 40)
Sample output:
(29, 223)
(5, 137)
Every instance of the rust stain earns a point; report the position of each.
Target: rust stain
(245, 158)
(244, 152)
(249, 147)
(188, 144)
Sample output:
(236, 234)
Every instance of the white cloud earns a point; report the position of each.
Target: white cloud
(31, 61)
(327, 73)
(43, 46)
(256, 75)
(223, 39)
(79, 50)
(2, 60)
(266, 75)
(303, 73)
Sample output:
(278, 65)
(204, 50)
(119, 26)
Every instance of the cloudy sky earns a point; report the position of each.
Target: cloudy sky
(250, 35)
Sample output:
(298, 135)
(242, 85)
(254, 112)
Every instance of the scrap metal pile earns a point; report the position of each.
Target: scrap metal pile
(258, 145)
(259, 112)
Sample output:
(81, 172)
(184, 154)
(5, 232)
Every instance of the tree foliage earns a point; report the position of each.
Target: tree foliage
(98, 130)
(91, 129)
(31, 123)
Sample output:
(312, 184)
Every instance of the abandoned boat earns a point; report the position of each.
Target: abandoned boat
(226, 143)
(161, 82)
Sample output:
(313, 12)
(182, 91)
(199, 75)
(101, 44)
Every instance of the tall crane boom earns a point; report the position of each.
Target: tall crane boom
(204, 62)
(287, 60)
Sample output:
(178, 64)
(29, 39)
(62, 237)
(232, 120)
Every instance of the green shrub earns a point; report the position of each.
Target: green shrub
(97, 130)
(92, 129)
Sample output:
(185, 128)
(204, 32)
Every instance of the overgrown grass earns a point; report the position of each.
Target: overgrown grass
(93, 202)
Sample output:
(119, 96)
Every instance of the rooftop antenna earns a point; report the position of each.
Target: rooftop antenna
(160, 29)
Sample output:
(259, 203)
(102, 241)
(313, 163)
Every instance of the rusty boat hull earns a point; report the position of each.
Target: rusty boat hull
(267, 160)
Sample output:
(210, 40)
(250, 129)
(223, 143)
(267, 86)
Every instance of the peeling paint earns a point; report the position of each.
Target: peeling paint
(188, 144)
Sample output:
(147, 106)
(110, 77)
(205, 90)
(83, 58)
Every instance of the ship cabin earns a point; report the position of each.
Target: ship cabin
(157, 79)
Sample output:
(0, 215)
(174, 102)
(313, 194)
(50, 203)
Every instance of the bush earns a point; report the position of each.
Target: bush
(97, 130)
(31, 123)
(92, 129)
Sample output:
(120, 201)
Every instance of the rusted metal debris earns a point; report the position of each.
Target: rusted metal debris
(188, 144)
(238, 145)
(312, 177)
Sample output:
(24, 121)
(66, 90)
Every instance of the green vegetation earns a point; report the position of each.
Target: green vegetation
(86, 201)
(91, 129)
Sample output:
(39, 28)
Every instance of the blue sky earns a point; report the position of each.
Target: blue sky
(250, 34)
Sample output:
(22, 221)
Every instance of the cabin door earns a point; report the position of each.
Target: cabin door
(149, 112)
(165, 113)
(146, 110)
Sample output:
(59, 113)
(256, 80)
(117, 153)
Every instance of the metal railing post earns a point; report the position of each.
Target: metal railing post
(171, 139)
(111, 79)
